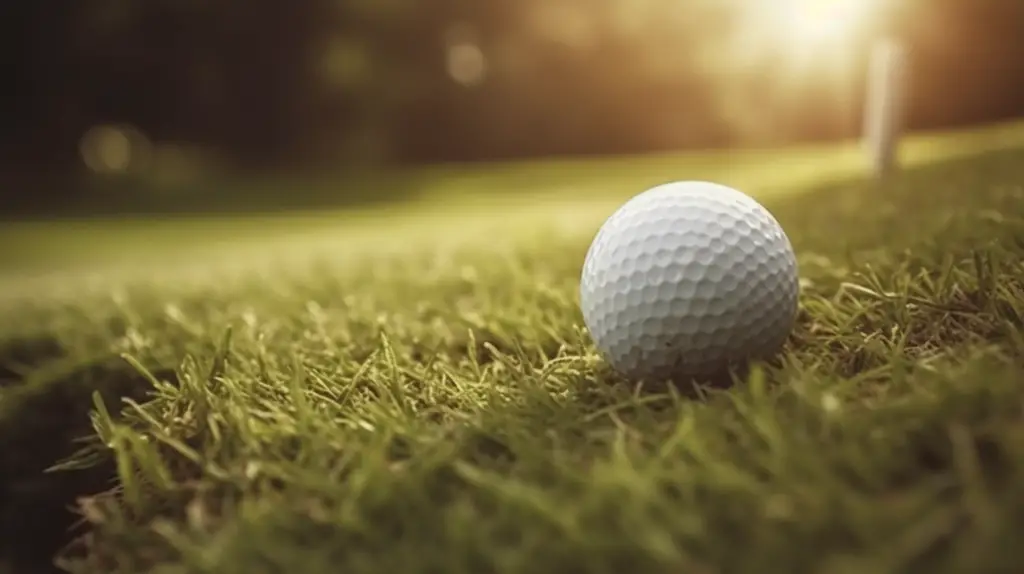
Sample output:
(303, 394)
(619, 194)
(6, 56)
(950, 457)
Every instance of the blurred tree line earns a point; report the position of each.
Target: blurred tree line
(265, 83)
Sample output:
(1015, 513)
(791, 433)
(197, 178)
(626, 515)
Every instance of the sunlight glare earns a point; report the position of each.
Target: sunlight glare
(804, 32)
(816, 21)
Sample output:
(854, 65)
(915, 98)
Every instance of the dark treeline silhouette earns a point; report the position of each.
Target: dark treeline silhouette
(265, 83)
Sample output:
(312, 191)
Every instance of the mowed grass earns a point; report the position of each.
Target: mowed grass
(415, 393)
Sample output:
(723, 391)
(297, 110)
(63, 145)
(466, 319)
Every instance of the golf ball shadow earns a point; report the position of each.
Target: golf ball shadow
(691, 387)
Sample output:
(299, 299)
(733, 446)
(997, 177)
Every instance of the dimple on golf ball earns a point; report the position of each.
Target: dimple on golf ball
(688, 279)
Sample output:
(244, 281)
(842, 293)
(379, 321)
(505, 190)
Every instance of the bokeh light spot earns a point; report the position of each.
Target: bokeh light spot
(108, 148)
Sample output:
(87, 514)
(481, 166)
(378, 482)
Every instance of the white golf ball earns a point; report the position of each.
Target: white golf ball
(688, 279)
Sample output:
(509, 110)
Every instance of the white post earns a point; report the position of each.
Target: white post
(884, 106)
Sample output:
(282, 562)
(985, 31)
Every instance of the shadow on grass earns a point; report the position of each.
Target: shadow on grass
(19, 355)
(41, 421)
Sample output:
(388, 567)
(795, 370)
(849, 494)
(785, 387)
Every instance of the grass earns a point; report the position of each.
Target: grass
(411, 390)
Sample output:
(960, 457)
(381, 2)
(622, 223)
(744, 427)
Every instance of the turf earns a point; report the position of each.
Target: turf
(411, 390)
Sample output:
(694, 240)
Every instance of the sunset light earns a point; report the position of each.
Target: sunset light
(821, 20)
(806, 27)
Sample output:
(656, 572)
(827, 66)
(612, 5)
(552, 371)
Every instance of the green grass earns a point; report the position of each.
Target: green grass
(410, 389)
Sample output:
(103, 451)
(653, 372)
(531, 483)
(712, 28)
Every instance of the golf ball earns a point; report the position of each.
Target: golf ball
(688, 279)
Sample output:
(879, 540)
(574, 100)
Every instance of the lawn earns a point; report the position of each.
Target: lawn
(409, 388)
